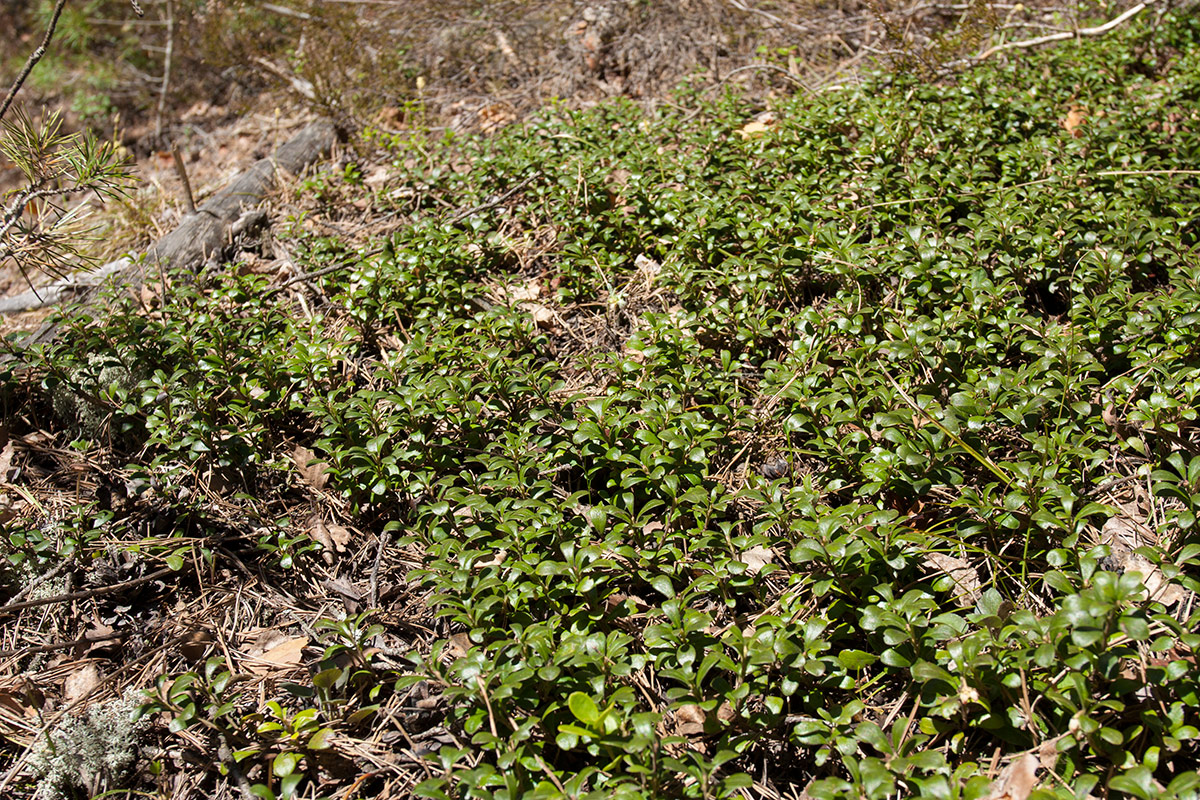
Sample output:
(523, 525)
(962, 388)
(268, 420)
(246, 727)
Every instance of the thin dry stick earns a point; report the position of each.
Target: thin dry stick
(34, 58)
(39, 580)
(188, 199)
(373, 597)
(1099, 30)
(166, 80)
(63, 645)
(83, 595)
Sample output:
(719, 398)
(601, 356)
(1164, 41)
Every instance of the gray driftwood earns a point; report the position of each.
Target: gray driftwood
(201, 237)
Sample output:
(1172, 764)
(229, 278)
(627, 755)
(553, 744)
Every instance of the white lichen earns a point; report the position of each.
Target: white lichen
(92, 751)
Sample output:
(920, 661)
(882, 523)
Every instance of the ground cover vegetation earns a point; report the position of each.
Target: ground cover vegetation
(840, 445)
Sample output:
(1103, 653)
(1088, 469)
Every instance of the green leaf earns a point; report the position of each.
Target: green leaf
(925, 671)
(284, 764)
(662, 584)
(263, 791)
(584, 708)
(320, 739)
(856, 659)
(288, 785)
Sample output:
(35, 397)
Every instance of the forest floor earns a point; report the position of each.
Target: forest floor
(824, 428)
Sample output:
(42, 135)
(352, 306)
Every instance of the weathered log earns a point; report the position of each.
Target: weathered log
(207, 232)
(200, 237)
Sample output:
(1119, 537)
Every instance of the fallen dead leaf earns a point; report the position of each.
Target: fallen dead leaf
(967, 587)
(6, 459)
(648, 267)
(99, 641)
(280, 658)
(14, 703)
(756, 558)
(351, 595)
(524, 292)
(496, 560)
(689, 720)
(1075, 119)
(340, 536)
(195, 645)
(460, 645)
(1016, 781)
(542, 316)
(753, 129)
(1121, 531)
(495, 116)
(314, 472)
(332, 538)
(379, 176)
(81, 682)
(1124, 534)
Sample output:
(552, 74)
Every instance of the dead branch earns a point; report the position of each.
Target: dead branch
(202, 236)
(1098, 30)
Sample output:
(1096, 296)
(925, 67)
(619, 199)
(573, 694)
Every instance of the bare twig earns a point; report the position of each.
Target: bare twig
(1098, 30)
(9, 608)
(34, 58)
(493, 202)
(166, 79)
(373, 596)
(52, 646)
(285, 11)
(188, 199)
(777, 20)
(39, 580)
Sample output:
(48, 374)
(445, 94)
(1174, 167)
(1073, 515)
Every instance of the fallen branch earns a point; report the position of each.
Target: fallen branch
(1099, 30)
(200, 238)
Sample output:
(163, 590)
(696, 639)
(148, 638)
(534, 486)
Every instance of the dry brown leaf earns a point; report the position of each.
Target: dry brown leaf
(345, 588)
(689, 720)
(195, 645)
(542, 317)
(752, 129)
(495, 116)
(1076, 117)
(81, 682)
(319, 532)
(496, 560)
(1048, 755)
(460, 645)
(280, 658)
(332, 538)
(1158, 588)
(1124, 534)
(756, 558)
(6, 459)
(967, 587)
(1127, 432)
(1016, 781)
(314, 472)
(525, 292)
(340, 537)
(648, 267)
(15, 703)
(98, 640)
(351, 595)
